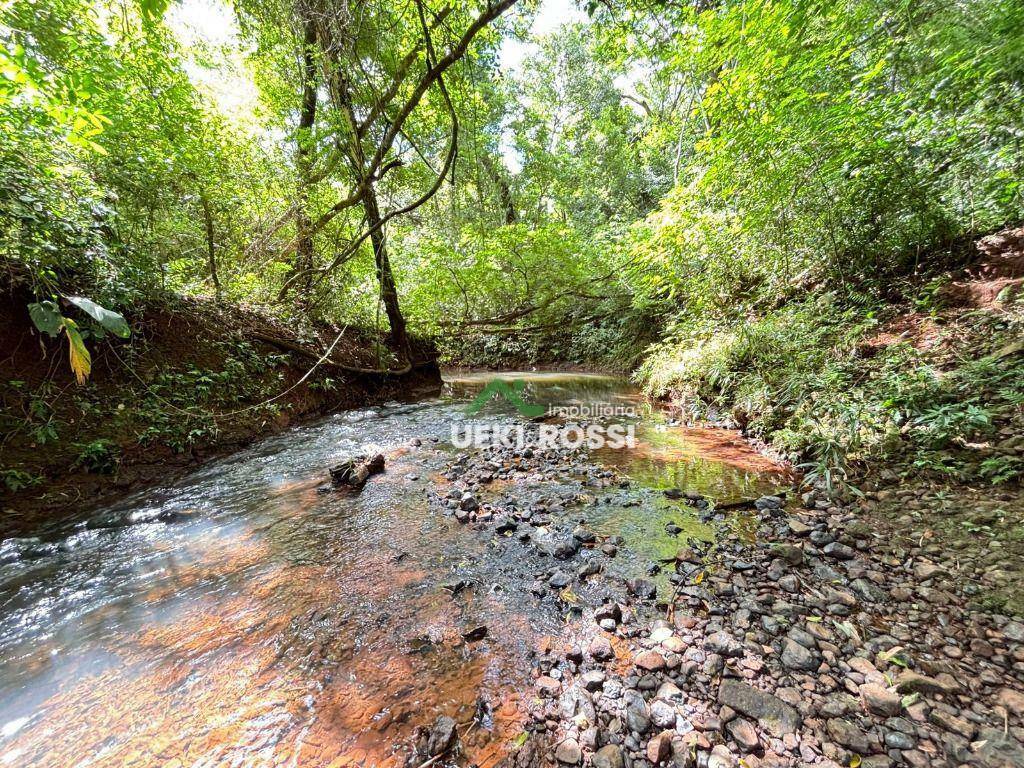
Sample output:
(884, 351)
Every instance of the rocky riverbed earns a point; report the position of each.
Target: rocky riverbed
(795, 634)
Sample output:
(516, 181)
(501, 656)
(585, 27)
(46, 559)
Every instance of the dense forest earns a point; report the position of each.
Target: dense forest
(734, 200)
(512, 383)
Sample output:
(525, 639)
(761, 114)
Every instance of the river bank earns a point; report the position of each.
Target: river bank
(197, 380)
(797, 634)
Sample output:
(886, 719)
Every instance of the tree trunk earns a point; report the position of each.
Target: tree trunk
(504, 190)
(211, 248)
(385, 277)
(304, 250)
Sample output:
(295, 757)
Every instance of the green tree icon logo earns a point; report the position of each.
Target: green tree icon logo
(511, 391)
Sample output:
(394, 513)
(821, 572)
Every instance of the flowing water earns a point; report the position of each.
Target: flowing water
(243, 618)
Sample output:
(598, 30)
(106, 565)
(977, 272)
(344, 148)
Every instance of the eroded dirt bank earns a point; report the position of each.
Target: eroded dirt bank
(197, 379)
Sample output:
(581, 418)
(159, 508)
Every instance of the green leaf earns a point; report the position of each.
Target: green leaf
(112, 321)
(46, 317)
(153, 9)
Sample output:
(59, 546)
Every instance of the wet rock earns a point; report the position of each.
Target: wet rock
(642, 588)
(568, 752)
(608, 756)
(355, 472)
(773, 714)
(441, 738)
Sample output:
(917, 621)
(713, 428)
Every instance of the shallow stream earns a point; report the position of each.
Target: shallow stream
(241, 617)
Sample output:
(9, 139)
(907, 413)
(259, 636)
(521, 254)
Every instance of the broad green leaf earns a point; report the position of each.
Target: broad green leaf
(46, 317)
(112, 321)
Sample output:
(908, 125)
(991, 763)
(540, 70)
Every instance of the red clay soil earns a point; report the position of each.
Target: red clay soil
(178, 335)
(996, 277)
(990, 283)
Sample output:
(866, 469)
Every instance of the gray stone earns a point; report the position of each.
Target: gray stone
(1014, 630)
(608, 756)
(838, 551)
(569, 752)
(995, 749)
(601, 648)
(848, 735)
(912, 682)
(637, 717)
(442, 736)
(897, 740)
(773, 714)
(724, 644)
(663, 714)
(795, 656)
(548, 686)
(791, 553)
(593, 680)
(560, 579)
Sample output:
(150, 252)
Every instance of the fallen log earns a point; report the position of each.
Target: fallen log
(293, 346)
(353, 473)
